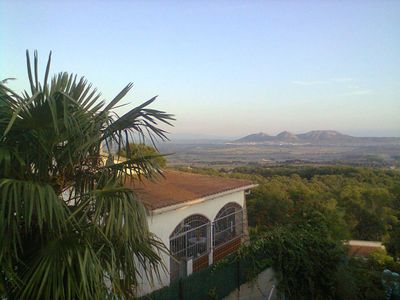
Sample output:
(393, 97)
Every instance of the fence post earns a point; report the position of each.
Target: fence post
(189, 267)
(211, 254)
(238, 274)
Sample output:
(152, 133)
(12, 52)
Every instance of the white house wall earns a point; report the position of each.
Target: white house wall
(163, 224)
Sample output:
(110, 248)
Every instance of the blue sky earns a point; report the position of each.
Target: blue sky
(224, 68)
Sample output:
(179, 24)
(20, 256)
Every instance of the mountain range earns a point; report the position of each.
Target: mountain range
(315, 136)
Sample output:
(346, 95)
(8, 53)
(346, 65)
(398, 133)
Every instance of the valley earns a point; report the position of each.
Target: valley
(260, 149)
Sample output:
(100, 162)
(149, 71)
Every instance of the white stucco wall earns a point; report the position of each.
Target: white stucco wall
(163, 223)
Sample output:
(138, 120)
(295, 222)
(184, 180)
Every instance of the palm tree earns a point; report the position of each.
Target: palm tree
(69, 228)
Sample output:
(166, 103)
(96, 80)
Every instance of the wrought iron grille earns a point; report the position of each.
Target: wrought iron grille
(191, 238)
(227, 226)
(196, 235)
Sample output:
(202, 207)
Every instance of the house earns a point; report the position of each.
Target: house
(200, 218)
(363, 248)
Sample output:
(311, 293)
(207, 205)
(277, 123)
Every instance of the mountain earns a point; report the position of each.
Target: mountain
(256, 138)
(313, 137)
(286, 136)
(263, 137)
(324, 135)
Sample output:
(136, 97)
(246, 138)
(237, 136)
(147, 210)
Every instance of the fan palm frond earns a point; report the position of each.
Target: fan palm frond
(69, 228)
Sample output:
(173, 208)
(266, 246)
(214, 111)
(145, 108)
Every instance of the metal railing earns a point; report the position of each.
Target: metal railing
(198, 241)
(227, 228)
(191, 243)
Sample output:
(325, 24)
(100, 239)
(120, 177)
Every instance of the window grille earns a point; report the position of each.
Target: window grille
(191, 238)
(228, 224)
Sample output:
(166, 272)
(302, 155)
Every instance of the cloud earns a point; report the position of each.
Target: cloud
(348, 85)
(327, 81)
(353, 86)
(342, 79)
(360, 92)
(317, 82)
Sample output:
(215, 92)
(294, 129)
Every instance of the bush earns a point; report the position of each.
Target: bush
(305, 259)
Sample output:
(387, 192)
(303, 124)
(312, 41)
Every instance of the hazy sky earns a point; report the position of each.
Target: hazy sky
(224, 68)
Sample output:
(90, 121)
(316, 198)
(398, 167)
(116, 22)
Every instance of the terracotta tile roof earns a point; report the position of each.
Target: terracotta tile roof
(179, 187)
(363, 248)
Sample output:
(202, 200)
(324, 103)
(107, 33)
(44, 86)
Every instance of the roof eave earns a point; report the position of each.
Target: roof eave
(165, 209)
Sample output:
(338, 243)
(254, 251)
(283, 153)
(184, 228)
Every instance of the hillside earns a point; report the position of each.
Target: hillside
(315, 136)
(256, 138)
(324, 135)
(287, 136)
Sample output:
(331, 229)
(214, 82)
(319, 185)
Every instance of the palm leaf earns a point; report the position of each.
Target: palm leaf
(69, 229)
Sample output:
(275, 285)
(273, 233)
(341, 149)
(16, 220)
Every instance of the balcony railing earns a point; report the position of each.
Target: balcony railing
(198, 241)
(191, 243)
(227, 228)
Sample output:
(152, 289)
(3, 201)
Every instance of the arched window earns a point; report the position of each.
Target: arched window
(228, 223)
(190, 238)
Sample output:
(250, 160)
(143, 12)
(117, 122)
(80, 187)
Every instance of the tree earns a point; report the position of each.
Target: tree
(133, 150)
(393, 243)
(69, 228)
(304, 258)
(370, 226)
(268, 205)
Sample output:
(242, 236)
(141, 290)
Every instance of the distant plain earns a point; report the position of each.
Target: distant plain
(227, 154)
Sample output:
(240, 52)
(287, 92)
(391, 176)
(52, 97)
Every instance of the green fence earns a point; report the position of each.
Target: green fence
(214, 282)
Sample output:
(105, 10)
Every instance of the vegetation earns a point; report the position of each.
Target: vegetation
(365, 202)
(301, 215)
(69, 229)
(303, 257)
(144, 151)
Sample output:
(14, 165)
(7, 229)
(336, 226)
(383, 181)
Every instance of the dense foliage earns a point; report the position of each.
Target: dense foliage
(145, 151)
(304, 258)
(69, 228)
(343, 202)
(300, 217)
(364, 201)
(361, 278)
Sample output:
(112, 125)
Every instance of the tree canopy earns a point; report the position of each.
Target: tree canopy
(301, 216)
(133, 150)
